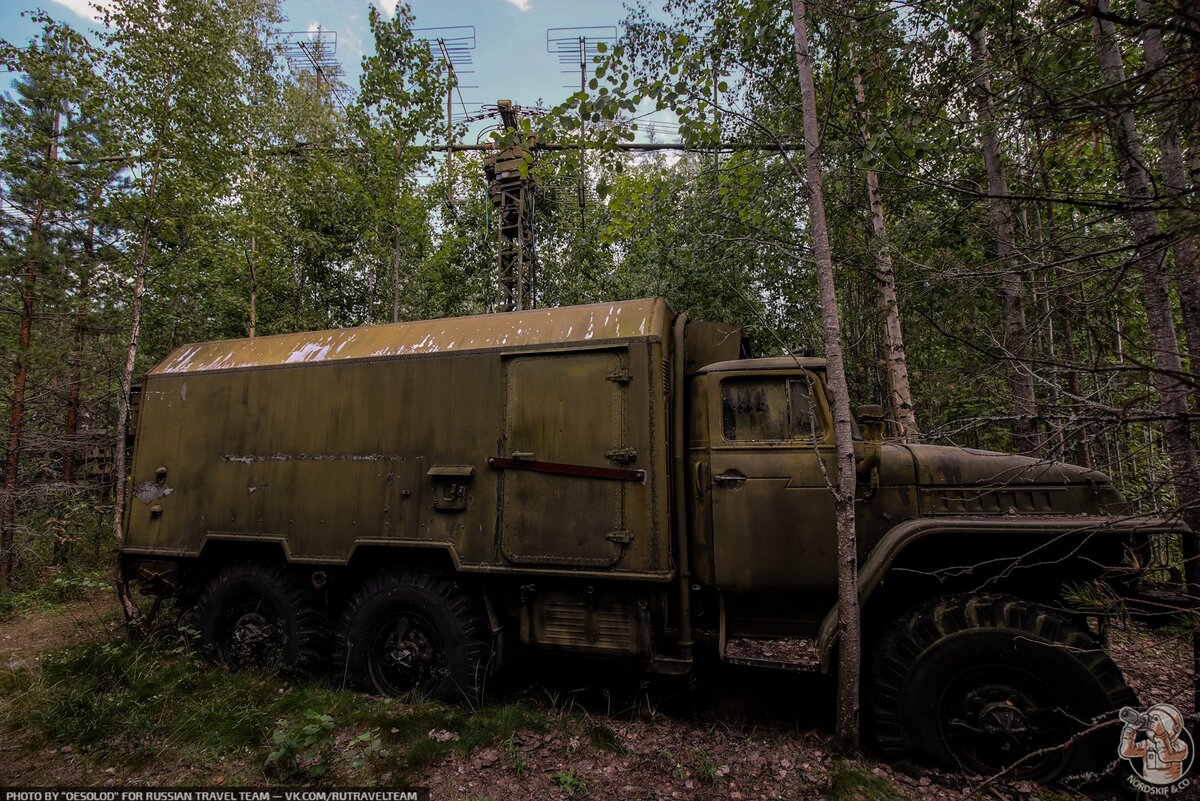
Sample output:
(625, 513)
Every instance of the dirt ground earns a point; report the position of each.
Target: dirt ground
(740, 736)
(27, 635)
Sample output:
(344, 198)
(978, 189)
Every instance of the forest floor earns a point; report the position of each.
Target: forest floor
(81, 706)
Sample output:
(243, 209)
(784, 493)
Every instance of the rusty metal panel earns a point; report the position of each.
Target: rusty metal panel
(593, 324)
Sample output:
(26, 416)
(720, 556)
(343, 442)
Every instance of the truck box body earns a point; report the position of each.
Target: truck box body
(331, 440)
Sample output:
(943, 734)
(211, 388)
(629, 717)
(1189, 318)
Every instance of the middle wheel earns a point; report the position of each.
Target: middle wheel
(410, 631)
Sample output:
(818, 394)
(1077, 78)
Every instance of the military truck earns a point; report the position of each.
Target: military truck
(403, 505)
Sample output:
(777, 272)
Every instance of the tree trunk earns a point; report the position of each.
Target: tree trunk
(899, 393)
(252, 254)
(75, 365)
(1151, 260)
(133, 615)
(396, 262)
(75, 383)
(16, 420)
(1016, 340)
(12, 462)
(1175, 182)
(850, 638)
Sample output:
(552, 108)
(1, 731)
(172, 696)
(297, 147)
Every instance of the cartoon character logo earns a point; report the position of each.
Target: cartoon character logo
(1158, 747)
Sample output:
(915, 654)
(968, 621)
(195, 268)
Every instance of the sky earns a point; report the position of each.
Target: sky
(510, 59)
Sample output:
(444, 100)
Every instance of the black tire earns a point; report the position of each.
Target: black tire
(414, 632)
(977, 682)
(258, 615)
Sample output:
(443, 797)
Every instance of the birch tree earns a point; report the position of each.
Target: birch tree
(899, 392)
(849, 634)
(175, 73)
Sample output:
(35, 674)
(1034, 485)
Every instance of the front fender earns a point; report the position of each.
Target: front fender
(893, 543)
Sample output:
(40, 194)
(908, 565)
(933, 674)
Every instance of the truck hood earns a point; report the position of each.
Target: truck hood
(938, 465)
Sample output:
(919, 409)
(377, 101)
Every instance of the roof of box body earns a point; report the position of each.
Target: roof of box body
(598, 322)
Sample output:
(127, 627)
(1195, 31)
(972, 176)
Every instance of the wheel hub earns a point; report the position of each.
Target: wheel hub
(996, 724)
(408, 657)
(254, 640)
(1003, 720)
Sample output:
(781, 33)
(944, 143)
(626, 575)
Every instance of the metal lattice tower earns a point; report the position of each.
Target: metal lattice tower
(511, 188)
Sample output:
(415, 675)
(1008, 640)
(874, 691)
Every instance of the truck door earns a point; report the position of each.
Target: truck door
(564, 416)
(771, 465)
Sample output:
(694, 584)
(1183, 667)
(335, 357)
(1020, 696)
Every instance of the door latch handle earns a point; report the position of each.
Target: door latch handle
(728, 478)
(521, 455)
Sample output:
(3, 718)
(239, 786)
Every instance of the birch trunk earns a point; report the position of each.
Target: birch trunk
(899, 392)
(133, 615)
(850, 638)
(1151, 261)
(396, 263)
(1016, 339)
(252, 254)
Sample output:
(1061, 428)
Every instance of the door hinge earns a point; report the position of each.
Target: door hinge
(619, 537)
(622, 375)
(622, 455)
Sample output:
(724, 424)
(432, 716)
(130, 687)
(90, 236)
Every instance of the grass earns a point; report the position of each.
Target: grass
(854, 781)
(134, 704)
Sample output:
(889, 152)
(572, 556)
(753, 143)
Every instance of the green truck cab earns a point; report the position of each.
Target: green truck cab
(400, 506)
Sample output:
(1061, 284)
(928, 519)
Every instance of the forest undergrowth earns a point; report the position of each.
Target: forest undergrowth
(84, 706)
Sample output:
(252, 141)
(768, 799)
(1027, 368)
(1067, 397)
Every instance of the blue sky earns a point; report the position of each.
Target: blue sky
(510, 59)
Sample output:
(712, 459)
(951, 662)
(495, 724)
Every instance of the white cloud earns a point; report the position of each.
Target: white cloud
(522, 5)
(386, 7)
(84, 8)
(313, 27)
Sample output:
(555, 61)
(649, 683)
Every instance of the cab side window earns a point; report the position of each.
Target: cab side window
(768, 409)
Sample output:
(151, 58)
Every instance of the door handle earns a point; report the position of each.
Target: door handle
(729, 478)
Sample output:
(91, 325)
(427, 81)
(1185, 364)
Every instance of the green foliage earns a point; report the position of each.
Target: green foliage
(301, 748)
(569, 783)
(514, 758)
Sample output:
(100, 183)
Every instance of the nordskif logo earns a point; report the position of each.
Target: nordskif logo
(1158, 747)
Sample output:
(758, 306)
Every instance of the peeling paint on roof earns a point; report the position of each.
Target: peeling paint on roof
(599, 322)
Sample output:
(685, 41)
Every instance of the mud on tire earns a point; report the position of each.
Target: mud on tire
(418, 632)
(977, 682)
(258, 615)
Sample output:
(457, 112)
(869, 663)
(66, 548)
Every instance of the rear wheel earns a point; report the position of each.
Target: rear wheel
(978, 683)
(258, 615)
(414, 632)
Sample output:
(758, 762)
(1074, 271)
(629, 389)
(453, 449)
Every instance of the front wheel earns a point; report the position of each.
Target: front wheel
(413, 632)
(980, 683)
